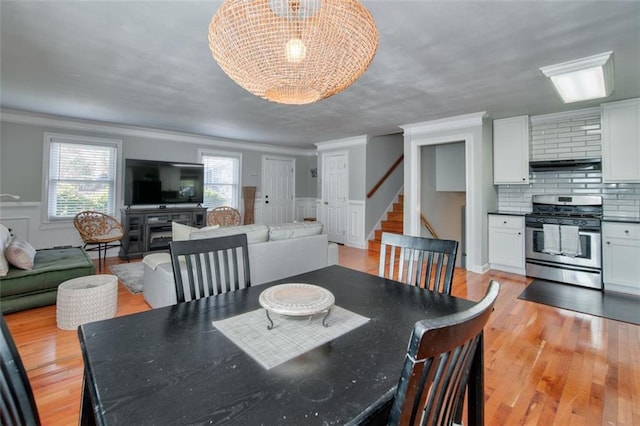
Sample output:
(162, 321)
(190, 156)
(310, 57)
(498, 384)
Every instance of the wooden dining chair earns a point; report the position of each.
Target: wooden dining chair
(419, 261)
(210, 266)
(18, 407)
(224, 216)
(437, 366)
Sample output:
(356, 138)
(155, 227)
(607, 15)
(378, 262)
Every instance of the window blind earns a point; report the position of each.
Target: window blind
(221, 180)
(82, 176)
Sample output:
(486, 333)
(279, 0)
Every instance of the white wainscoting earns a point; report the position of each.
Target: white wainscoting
(355, 224)
(305, 207)
(25, 219)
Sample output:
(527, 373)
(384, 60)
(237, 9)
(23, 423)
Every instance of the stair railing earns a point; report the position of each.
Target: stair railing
(427, 225)
(386, 175)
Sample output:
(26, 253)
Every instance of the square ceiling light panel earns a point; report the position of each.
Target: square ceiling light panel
(582, 79)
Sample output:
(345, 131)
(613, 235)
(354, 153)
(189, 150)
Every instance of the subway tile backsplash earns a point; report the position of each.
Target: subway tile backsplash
(555, 137)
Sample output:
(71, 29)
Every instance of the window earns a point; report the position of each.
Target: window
(80, 174)
(221, 178)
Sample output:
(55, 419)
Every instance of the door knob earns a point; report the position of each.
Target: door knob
(326, 203)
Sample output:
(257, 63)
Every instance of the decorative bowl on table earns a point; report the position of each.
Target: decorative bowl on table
(296, 299)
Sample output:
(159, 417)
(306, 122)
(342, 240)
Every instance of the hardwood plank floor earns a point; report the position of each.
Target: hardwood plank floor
(543, 365)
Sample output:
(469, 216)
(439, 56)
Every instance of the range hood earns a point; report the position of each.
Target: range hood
(584, 164)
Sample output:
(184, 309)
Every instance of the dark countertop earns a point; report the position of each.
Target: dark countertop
(506, 213)
(620, 219)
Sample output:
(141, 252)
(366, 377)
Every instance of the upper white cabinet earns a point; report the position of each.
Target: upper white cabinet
(511, 150)
(621, 141)
(621, 257)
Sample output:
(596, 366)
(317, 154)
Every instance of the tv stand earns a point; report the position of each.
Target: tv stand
(149, 230)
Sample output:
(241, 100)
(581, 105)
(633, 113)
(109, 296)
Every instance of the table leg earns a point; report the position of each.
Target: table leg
(86, 407)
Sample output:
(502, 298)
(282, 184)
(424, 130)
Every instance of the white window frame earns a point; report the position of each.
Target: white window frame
(50, 138)
(229, 154)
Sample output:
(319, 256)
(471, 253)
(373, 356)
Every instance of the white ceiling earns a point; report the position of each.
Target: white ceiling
(147, 63)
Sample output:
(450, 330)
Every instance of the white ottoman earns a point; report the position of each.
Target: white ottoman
(86, 299)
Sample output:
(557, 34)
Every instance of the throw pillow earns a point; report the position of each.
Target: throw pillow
(20, 253)
(180, 232)
(5, 239)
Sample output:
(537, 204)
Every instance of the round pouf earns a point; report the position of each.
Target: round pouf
(86, 299)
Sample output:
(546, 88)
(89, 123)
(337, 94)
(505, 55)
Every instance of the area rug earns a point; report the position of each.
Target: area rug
(615, 306)
(130, 275)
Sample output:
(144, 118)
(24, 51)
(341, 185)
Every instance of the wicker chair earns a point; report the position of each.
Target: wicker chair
(98, 229)
(223, 216)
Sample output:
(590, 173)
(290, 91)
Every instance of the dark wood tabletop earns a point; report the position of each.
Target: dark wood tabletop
(172, 366)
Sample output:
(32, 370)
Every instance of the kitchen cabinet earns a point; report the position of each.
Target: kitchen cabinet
(506, 243)
(620, 123)
(621, 257)
(511, 150)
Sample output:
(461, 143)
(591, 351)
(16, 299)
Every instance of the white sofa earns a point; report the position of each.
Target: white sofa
(275, 252)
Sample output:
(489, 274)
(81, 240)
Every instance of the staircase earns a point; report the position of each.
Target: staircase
(393, 223)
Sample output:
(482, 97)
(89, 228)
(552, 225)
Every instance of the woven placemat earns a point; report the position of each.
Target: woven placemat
(290, 337)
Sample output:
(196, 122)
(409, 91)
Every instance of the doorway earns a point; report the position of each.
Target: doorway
(443, 192)
(278, 189)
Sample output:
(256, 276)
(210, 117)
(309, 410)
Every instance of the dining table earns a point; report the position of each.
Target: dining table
(176, 366)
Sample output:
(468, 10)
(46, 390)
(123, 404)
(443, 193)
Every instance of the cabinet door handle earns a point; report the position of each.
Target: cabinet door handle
(505, 222)
(608, 242)
(523, 179)
(519, 233)
(626, 231)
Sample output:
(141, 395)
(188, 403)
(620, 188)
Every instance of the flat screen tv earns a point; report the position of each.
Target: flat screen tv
(162, 182)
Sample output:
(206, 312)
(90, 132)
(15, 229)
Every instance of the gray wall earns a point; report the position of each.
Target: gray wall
(21, 157)
(382, 153)
(357, 170)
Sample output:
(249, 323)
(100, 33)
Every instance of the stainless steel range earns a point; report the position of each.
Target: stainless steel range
(563, 241)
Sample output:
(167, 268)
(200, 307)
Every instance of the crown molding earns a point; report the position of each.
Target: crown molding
(59, 122)
(451, 123)
(341, 143)
(564, 116)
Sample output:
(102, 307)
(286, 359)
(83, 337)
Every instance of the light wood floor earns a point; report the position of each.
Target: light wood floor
(543, 365)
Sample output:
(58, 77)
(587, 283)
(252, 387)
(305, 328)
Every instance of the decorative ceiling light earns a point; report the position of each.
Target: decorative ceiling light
(582, 79)
(293, 51)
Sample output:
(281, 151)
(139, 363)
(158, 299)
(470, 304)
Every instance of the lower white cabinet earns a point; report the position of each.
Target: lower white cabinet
(506, 243)
(621, 257)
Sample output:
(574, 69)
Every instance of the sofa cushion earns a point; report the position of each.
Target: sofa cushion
(51, 267)
(5, 239)
(287, 231)
(255, 233)
(20, 253)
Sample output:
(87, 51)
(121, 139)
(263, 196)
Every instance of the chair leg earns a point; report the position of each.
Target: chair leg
(100, 257)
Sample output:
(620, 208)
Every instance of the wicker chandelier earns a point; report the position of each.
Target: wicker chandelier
(293, 51)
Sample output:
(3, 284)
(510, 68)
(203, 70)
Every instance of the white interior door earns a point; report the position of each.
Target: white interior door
(278, 190)
(335, 184)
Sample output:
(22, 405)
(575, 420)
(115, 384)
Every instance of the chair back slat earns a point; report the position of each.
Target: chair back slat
(438, 363)
(209, 267)
(423, 262)
(17, 405)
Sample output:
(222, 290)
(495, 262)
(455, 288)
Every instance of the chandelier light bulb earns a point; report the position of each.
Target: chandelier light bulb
(295, 50)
